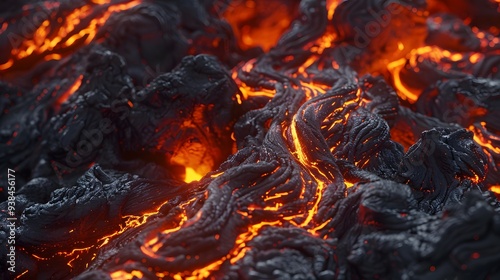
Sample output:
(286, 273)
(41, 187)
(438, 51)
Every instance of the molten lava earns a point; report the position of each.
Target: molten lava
(251, 139)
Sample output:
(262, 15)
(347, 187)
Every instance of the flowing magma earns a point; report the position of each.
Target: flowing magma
(252, 139)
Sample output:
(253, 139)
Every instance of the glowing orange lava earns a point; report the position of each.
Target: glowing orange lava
(258, 23)
(123, 275)
(191, 175)
(495, 189)
(69, 92)
(441, 59)
(51, 40)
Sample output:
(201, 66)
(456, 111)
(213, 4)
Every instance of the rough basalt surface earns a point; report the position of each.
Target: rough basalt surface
(334, 155)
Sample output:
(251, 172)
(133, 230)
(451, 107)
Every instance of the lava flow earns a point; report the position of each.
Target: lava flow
(250, 139)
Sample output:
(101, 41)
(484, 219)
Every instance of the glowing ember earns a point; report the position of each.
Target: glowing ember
(191, 175)
(56, 35)
(251, 139)
(64, 97)
(258, 23)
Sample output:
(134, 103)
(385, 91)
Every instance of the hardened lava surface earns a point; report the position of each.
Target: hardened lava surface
(251, 139)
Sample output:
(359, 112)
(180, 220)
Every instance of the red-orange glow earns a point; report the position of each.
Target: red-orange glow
(258, 23)
(50, 41)
(302, 157)
(248, 92)
(276, 207)
(313, 90)
(331, 5)
(191, 175)
(324, 42)
(197, 158)
(7, 64)
(309, 62)
(216, 175)
(153, 244)
(201, 273)
(235, 255)
(123, 275)
(91, 30)
(495, 189)
(314, 209)
(243, 239)
(130, 221)
(475, 57)
(403, 92)
(315, 230)
(74, 254)
(4, 27)
(483, 141)
(486, 144)
(53, 56)
(275, 196)
(64, 97)
(101, 2)
(21, 274)
(319, 177)
(443, 59)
